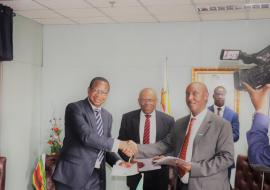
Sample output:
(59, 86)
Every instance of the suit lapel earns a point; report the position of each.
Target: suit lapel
(104, 121)
(136, 126)
(202, 130)
(181, 133)
(159, 125)
(90, 113)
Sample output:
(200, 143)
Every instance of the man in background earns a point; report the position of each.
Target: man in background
(221, 110)
(143, 126)
(88, 142)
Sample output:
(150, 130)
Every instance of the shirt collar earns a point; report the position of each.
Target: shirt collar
(216, 107)
(152, 114)
(201, 115)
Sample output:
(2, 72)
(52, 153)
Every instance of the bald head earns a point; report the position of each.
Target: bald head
(196, 97)
(147, 100)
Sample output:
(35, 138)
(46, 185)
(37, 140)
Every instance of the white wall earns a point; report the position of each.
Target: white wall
(20, 104)
(131, 56)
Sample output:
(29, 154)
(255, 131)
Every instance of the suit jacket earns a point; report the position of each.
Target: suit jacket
(82, 144)
(129, 130)
(232, 117)
(258, 141)
(213, 151)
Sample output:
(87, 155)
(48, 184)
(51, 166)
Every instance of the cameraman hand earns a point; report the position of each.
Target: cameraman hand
(258, 96)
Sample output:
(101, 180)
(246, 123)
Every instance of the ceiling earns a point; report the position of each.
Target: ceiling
(138, 11)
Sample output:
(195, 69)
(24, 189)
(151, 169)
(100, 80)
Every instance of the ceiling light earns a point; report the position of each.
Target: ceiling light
(233, 7)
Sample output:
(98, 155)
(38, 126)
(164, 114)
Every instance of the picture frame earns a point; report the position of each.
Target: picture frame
(213, 77)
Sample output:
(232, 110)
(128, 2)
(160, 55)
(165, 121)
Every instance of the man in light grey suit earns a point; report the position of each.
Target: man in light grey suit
(88, 142)
(201, 138)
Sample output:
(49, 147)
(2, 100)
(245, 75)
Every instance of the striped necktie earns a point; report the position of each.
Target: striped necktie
(146, 132)
(100, 132)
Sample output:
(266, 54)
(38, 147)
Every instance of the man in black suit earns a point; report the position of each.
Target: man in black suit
(144, 126)
(88, 142)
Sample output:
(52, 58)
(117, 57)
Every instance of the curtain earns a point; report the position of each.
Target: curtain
(6, 27)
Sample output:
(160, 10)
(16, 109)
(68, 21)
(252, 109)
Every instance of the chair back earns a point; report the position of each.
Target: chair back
(247, 178)
(3, 161)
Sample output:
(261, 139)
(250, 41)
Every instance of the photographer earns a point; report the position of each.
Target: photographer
(257, 136)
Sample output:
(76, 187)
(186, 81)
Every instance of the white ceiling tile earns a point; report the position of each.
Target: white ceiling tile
(20, 5)
(231, 15)
(80, 13)
(165, 2)
(134, 19)
(38, 14)
(125, 11)
(53, 21)
(173, 10)
(64, 4)
(93, 20)
(117, 3)
(176, 13)
(259, 14)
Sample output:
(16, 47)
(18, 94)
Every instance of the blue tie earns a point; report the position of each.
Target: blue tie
(100, 131)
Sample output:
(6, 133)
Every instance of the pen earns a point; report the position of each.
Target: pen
(130, 159)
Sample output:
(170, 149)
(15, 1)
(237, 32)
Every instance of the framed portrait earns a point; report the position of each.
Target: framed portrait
(214, 77)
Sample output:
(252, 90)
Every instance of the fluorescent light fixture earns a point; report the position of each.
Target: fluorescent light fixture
(232, 7)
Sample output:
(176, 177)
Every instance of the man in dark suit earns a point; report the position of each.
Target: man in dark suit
(144, 126)
(221, 110)
(201, 138)
(88, 142)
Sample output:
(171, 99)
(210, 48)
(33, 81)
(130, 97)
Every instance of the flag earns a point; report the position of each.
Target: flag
(39, 175)
(140, 184)
(165, 97)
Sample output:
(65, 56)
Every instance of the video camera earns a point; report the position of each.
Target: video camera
(256, 76)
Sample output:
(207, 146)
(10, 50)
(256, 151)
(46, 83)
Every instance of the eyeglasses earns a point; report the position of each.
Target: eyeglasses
(147, 100)
(98, 91)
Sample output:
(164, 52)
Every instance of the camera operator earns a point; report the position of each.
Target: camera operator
(257, 136)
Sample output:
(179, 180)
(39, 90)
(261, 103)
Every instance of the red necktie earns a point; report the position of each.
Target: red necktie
(218, 111)
(183, 152)
(146, 133)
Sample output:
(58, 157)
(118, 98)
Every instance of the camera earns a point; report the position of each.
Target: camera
(256, 76)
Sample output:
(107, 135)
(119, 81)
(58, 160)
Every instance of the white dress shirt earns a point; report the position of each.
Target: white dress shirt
(195, 127)
(153, 129)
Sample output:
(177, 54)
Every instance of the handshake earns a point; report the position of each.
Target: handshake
(129, 148)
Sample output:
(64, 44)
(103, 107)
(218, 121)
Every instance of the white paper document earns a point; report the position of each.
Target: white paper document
(147, 165)
(169, 160)
(122, 171)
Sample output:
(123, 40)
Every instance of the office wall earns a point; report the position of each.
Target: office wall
(20, 104)
(131, 57)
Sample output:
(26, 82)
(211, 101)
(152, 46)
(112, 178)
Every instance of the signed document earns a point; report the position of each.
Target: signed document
(169, 160)
(146, 164)
(122, 171)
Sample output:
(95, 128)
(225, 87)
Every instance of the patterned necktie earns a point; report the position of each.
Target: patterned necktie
(183, 152)
(146, 133)
(100, 131)
(218, 111)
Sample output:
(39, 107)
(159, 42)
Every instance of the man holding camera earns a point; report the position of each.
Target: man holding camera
(257, 136)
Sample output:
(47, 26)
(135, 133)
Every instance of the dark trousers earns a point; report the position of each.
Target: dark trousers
(94, 183)
(153, 180)
(180, 185)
